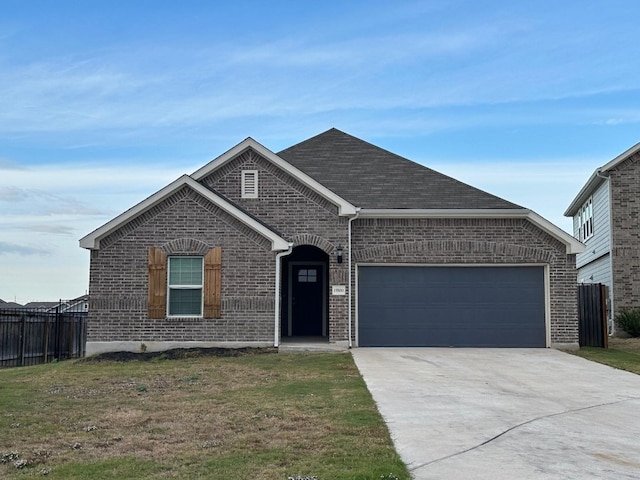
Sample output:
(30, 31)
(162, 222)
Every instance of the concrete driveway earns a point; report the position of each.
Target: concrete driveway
(505, 413)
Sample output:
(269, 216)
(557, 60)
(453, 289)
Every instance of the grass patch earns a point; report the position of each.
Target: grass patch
(623, 353)
(266, 416)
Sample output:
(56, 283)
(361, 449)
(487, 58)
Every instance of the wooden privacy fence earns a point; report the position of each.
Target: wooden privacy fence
(29, 337)
(592, 315)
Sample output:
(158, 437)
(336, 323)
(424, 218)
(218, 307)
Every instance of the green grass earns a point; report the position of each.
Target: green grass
(622, 353)
(265, 416)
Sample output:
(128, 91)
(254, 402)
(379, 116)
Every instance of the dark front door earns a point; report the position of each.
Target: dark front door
(307, 299)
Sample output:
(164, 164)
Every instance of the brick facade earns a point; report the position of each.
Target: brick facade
(186, 223)
(625, 232)
(475, 241)
(299, 214)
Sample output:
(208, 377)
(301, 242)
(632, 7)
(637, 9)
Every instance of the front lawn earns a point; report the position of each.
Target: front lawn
(622, 353)
(257, 416)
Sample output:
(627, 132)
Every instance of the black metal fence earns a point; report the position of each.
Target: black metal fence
(30, 336)
(592, 315)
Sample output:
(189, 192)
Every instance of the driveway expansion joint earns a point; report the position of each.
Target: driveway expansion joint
(515, 427)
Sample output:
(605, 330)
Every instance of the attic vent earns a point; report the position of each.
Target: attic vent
(249, 184)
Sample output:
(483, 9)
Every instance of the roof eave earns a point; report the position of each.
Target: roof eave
(345, 208)
(596, 179)
(92, 241)
(573, 246)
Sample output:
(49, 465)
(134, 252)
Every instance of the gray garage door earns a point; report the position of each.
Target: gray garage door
(451, 306)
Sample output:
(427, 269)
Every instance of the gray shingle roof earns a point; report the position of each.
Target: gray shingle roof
(371, 177)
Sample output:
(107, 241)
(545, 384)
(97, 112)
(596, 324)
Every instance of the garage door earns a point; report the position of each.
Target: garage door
(451, 306)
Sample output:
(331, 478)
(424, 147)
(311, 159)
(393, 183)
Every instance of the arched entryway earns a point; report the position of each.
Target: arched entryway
(305, 298)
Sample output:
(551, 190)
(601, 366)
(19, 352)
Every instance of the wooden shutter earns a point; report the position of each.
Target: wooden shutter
(157, 302)
(213, 283)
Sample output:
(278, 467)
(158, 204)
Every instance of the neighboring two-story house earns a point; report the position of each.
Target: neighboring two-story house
(606, 218)
(332, 239)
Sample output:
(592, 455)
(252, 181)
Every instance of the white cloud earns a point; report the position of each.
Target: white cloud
(49, 228)
(13, 194)
(46, 209)
(142, 89)
(22, 250)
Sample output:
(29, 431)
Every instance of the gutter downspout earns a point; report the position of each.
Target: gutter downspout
(611, 309)
(350, 297)
(276, 330)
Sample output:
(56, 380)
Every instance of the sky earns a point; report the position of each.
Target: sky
(102, 103)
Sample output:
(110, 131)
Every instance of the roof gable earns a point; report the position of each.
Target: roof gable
(344, 207)
(371, 177)
(596, 179)
(92, 241)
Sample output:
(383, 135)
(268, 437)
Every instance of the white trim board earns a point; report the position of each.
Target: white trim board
(92, 241)
(344, 208)
(597, 177)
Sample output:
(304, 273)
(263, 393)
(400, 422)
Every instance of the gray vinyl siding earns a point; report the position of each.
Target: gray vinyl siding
(600, 269)
(600, 243)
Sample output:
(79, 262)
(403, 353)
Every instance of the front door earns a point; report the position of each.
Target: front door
(307, 299)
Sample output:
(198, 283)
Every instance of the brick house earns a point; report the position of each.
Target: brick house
(606, 218)
(332, 239)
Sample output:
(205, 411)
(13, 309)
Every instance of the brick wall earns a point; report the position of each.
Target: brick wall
(186, 223)
(475, 241)
(298, 213)
(625, 232)
(183, 224)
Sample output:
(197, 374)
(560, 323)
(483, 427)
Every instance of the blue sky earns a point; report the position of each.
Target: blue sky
(103, 103)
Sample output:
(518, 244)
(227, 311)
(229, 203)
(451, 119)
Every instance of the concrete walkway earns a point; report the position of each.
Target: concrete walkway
(505, 413)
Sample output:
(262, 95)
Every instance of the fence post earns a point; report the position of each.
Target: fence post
(603, 310)
(46, 339)
(23, 339)
(57, 334)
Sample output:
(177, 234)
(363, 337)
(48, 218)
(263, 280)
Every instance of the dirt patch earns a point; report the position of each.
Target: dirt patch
(177, 354)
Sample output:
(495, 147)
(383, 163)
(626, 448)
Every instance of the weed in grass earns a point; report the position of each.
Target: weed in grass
(14, 458)
(194, 377)
(9, 457)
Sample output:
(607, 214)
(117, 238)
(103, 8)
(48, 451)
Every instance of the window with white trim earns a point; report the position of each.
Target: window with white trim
(585, 220)
(249, 184)
(185, 286)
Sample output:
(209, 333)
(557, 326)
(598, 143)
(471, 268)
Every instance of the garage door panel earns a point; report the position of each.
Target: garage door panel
(451, 306)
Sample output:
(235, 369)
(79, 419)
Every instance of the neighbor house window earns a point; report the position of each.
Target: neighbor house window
(585, 220)
(185, 286)
(249, 184)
